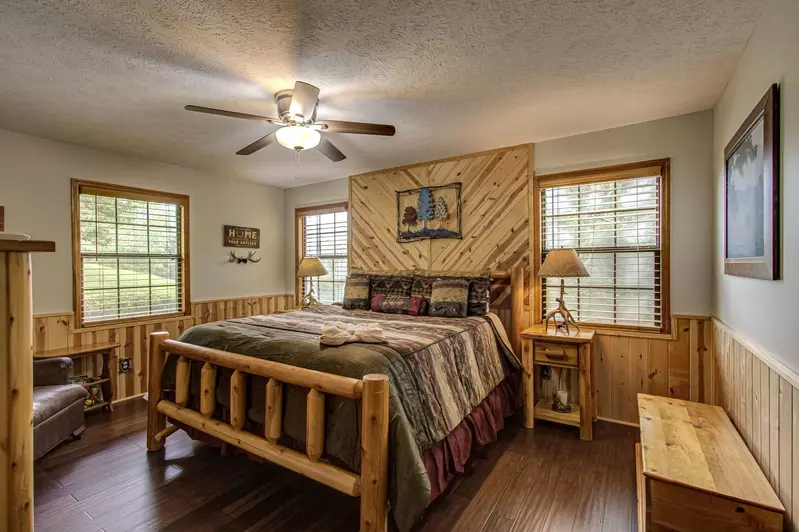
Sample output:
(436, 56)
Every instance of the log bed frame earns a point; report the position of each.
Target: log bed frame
(372, 483)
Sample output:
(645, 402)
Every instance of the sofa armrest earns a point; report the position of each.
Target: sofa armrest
(51, 371)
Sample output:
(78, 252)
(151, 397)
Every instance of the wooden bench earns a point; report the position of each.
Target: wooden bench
(89, 350)
(694, 471)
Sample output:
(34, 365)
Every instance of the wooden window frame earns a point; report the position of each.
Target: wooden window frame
(299, 213)
(599, 175)
(80, 186)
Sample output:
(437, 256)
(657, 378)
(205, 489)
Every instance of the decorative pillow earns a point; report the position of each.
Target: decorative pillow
(479, 288)
(356, 293)
(449, 298)
(390, 285)
(413, 306)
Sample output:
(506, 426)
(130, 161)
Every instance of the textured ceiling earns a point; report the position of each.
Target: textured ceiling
(453, 76)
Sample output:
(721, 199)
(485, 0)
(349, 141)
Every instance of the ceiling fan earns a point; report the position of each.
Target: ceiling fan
(299, 129)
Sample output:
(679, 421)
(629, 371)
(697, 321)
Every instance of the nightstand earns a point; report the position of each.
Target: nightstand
(572, 352)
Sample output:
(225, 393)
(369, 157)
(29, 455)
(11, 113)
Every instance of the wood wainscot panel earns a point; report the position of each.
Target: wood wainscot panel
(761, 397)
(628, 362)
(55, 331)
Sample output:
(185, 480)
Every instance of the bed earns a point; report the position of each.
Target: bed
(388, 423)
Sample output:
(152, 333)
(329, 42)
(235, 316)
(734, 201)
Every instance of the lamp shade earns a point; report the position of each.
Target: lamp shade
(311, 267)
(563, 263)
(298, 137)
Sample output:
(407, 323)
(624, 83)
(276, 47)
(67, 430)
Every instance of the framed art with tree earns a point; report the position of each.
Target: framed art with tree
(429, 212)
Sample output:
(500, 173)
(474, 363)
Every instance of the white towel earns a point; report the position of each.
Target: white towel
(337, 333)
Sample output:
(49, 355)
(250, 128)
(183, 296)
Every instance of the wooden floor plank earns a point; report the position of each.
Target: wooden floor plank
(545, 479)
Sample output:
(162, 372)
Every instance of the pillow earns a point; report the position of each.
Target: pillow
(356, 293)
(450, 298)
(390, 285)
(479, 288)
(413, 306)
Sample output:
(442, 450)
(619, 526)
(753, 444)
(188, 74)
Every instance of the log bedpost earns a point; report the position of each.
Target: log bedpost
(156, 422)
(315, 425)
(238, 400)
(274, 410)
(182, 376)
(208, 387)
(374, 454)
(517, 308)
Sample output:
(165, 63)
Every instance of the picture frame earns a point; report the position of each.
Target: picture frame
(751, 193)
(436, 209)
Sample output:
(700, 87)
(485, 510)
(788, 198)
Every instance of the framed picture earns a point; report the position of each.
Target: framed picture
(429, 212)
(751, 210)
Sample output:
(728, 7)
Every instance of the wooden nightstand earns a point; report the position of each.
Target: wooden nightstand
(542, 347)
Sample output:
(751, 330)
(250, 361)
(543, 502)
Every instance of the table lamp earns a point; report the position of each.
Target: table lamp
(310, 267)
(562, 263)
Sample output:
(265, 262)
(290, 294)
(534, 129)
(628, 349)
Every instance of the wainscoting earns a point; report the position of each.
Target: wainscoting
(55, 331)
(762, 399)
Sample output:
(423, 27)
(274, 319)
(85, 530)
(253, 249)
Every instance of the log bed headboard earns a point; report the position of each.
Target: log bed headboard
(514, 328)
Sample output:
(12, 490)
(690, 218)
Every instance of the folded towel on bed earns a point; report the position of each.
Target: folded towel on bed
(338, 333)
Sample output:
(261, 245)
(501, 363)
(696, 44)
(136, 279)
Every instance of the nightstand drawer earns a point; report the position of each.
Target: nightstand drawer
(554, 353)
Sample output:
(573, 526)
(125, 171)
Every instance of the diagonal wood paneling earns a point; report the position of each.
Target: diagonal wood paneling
(494, 216)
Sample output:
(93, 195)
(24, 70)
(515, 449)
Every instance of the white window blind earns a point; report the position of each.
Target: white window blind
(615, 228)
(131, 256)
(325, 236)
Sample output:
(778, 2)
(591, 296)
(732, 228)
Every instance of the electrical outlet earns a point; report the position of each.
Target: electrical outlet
(546, 372)
(124, 365)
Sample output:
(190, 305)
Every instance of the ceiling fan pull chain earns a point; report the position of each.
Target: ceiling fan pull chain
(296, 165)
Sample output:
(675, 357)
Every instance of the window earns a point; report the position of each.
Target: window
(130, 249)
(616, 218)
(322, 232)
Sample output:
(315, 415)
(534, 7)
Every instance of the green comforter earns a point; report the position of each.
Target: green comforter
(440, 369)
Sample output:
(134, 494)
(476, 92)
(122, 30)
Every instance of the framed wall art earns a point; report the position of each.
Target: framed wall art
(752, 177)
(429, 212)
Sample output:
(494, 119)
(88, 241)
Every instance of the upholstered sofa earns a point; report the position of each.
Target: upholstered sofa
(57, 405)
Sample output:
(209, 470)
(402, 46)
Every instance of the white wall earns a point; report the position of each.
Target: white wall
(764, 311)
(35, 190)
(688, 141)
(306, 196)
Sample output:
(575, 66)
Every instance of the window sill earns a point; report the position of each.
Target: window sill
(129, 322)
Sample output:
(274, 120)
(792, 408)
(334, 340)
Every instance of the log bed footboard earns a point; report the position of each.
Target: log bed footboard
(371, 485)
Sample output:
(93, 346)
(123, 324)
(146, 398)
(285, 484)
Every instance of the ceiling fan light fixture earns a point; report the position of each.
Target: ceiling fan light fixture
(298, 137)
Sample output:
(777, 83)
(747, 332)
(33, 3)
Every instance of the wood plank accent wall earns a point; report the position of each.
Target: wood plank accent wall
(55, 331)
(761, 396)
(494, 216)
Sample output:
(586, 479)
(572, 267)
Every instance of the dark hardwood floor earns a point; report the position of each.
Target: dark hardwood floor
(527, 481)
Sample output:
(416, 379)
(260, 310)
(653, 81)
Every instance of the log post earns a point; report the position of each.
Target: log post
(517, 308)
(156, 422)
(528, 380)
(182, 377)
(238, 400)
(274, 410)
(208, 387)
(374, 454)
(315, 425)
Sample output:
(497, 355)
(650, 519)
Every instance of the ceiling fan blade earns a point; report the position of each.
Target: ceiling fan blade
(303, 100)
(330, 151)
(361, 128)
(263, 142)
(232, 114)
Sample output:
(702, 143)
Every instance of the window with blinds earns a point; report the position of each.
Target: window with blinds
(615, 220)
(130, 246)
(323, 233)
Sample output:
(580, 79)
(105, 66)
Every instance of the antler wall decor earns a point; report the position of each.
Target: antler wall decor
(244, 260)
